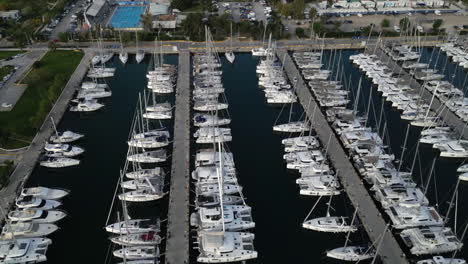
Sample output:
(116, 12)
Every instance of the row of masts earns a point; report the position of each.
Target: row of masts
(222, 220)
(142, 179)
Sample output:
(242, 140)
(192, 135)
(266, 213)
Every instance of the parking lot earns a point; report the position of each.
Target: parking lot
(66, 22)
(10, 91)
(243, 10)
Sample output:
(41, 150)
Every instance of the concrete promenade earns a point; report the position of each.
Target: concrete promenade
(177, 245)
(447, 116)
(30, 157)
(390, 252)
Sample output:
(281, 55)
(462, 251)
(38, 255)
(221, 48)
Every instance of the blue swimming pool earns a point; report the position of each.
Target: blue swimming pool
(127, 17)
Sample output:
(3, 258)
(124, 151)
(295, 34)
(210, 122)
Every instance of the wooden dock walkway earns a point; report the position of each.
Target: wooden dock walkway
(449, 117)
(390, 252)
(177, 245)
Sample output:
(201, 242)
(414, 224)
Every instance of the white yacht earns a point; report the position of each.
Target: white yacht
(36, 216)
(24, 250)
(61, 162)
(213, 188)
(437, 138)
(27, 230)
(149, 142)
(159, 107)
(260, 52)
(221, 247)
(62, 150)
(140, 239)
(430, 240)
(453, 149)
(319, 185)
(152, 133)
(92, 94)
(133, 226)
(208, 157)
(408, 217)
(34, 203)
(158, 115)
(463, 168)
(303, 159)
(236, 218)
(65, 137)
(123, 57)
(212, 200)
(44, 193)
(137, 252)
(351, 253)
(146, 173)
(140, 55)
(101, 72)
(107, 57)
(303, 143)
(212, 134)
(143, 183)
(441, 260)
(93, 85)
(292, 127)
(143, 195)
(207, 120)
(400, 196)
(154, 156)
(86, 106)
(207, 106)
(332, 224)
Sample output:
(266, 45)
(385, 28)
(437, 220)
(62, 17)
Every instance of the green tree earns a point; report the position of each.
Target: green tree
(336, 25)
(437, 24)
(147, 21)
(404, 23)
(63, 36)
(385, 23)
(313, 13)
(298, 9)
(366, 30)
(300, 32)
(318, 27)
(52, 45)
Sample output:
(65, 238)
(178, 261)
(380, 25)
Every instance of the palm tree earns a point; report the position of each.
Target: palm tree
(147, 21)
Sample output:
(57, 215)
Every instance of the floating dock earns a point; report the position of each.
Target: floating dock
(177, 244)
(390, 252)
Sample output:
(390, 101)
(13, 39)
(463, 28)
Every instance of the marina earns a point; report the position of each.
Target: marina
(243, 128)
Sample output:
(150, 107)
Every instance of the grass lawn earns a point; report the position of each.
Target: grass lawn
(5, 70)
(8, 53)
(45, 83)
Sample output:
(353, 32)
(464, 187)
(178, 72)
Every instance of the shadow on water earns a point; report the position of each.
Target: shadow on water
(92, 183)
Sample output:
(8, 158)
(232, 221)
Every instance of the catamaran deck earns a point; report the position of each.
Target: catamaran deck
(177, 245)
(449, 117)
(373, 222)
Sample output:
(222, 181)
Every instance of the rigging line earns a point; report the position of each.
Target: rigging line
(113, 200)
(312, 209)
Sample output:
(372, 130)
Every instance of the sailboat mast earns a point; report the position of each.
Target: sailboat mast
(53, 124)
(357, 96)
(220, 183)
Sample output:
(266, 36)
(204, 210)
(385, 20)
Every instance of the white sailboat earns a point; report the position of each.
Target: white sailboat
(140, 54)
(230, 54)
(123, 55)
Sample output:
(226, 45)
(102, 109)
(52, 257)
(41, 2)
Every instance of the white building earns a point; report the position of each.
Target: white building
(12, 14)
(165, 22)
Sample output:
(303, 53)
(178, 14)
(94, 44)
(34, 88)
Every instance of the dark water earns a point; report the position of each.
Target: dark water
(269, 187)
(82, 238)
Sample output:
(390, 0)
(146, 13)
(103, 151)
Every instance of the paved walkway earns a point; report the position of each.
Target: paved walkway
(447, 115)
(31, 156)
(390, 252)
(11, 91)
(177, 245)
